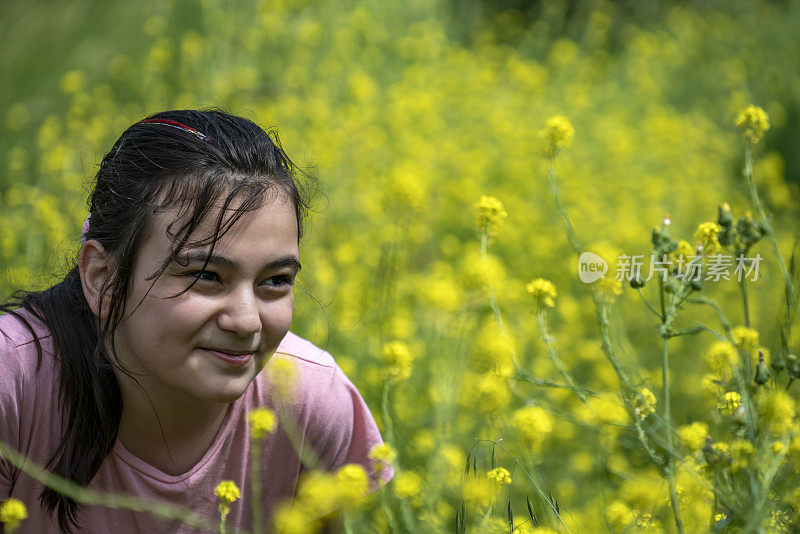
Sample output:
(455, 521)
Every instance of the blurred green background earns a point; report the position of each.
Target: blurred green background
(408, 112)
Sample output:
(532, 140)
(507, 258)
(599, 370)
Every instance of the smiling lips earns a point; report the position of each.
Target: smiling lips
(236, 358)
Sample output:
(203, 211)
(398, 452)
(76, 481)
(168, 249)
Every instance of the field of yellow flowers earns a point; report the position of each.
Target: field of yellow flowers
(464, 169)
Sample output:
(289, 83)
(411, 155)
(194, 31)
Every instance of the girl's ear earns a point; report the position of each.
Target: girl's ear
(95, 267)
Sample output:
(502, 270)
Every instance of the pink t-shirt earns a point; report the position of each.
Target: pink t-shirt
(331, 417)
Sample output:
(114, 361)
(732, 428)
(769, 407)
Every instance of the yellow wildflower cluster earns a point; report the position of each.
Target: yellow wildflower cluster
(644, 402)
(543, 291)
(12, 513)
(534, 424)
(489, 215)
(558, 133)
(753, 121)
(479, 491)
(282, 373)
(707, 235)
(722, 357)
(745, 338)
(227, 492)
(493, 350)
(741, 453)
(382, 456)
(320, 494)
(500, 475)
(777, 410)
(397, 360)
(730, 403)
(262, 422)
(693, 436)
(352, 482)
(408, 485)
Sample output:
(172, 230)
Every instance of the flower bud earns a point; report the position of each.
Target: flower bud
(696, 284)
(725, 221)
(672, 286)
(724, 217)
(793, 366)
(662, 242)
(749, 232)
(637, 282)
(762, 371)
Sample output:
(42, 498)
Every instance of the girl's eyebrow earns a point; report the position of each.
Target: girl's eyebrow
(227, 263)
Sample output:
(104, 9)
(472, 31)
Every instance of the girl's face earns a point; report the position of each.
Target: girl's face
(211, 341)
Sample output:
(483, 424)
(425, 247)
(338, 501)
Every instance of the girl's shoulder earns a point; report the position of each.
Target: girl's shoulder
(304, 351)
(19, 350)
(20, 327)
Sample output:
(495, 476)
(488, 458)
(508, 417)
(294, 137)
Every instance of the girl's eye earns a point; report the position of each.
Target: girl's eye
(206, 276)
(278, 281)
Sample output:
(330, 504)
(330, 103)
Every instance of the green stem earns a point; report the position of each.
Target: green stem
(387, 418)
(559, 365)
(498, 316)
(765, 223)
(745, 304)
(670, 463)
(255, 483)
(647, 302)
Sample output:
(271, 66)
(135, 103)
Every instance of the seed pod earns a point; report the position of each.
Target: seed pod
(762, 371)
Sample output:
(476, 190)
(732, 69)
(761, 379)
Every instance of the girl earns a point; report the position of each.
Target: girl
(136, 373)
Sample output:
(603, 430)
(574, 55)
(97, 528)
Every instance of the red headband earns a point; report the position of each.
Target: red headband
(178, 125)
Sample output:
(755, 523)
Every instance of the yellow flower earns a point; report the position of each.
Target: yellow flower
(777, 410)
(619, 515)
(533, 423)
(490, 215)
(352, 481)
(745, 338)
(290, 519)
(685, 249)
(707, 234)
(609, 289)
(644, 403)
(262, 422)
(558, 133)
(731, 401)
(397, 359)
(382, 455)
(741, 452)
(12, 512)
(282, 375)
(227, 491)
(73, 81)
(693, 436)
(543, 291)
(478, 492)
(722, 357)
(753, 121)
(409, 486)
(500, 475)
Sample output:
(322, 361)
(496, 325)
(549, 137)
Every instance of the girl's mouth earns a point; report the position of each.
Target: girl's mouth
(236, 360)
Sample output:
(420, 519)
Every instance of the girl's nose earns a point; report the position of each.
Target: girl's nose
(240, 314)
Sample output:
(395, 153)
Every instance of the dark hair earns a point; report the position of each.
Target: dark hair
(189, 160)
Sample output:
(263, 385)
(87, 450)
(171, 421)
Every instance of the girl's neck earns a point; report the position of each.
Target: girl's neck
(189, 428)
